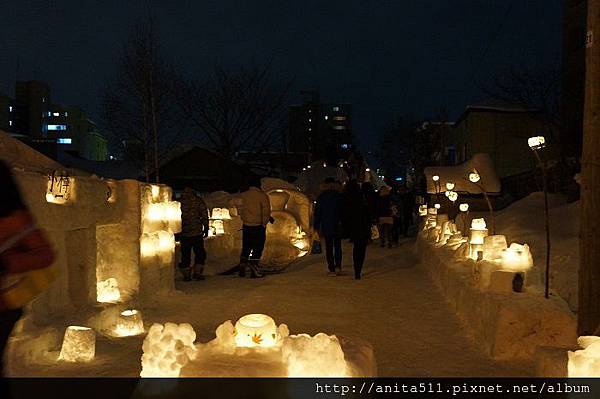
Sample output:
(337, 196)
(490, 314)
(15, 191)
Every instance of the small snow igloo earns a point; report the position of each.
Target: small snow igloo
(290, 236)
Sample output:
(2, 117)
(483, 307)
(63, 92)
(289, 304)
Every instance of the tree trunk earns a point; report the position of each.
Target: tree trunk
(589, 270)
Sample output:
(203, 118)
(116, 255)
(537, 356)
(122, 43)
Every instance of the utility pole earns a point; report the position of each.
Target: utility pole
(589, 268)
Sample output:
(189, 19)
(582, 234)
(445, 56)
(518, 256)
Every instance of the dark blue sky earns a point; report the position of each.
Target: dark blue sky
(385, 57)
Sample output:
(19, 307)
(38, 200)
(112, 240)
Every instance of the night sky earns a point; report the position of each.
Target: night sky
(384, 57)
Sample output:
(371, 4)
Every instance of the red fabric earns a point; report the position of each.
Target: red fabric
(31, 252)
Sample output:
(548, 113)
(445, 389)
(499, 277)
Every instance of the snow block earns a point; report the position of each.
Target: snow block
(506, 325)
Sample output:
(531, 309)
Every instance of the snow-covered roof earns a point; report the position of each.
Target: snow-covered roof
(494, 108)
(459, 176)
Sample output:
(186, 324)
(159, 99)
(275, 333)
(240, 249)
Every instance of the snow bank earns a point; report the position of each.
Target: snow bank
(506, 325)
(167, 349)
(585, 363)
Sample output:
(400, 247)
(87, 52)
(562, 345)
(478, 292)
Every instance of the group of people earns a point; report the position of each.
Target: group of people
(356, 212)
(255, 215)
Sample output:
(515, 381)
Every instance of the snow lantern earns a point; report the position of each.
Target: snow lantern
(493, 247)
(155, 190)
(537, 142)
(474, 176)
(148, 244)
(585, 363)
(435, 178)
(463, 207)
(173, 215)
(437, 206)
(220, 213)
(166, 349)
(218, 226)
(79, 344)
(59, 189)
(130, 323)
(476, 239)
(452, 196)
(422, 210)
(107, 291)
(155, 212)
(478, 224)
(450, 186)
(517, 258)
(255, 330)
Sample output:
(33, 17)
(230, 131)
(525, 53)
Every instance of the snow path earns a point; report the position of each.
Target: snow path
(395, 307)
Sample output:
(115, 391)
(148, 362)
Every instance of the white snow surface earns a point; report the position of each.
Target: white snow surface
(395, 308)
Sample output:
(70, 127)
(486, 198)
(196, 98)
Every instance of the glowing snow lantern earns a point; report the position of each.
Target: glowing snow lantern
(130, 324)
(476, 239)
(422, 210)
(221, 213)
(435, 178)
(155, 191)
(173, 215)
(79, 344)
(218, 226)
(474, 176)
(148, 244)
(255, 330)
(452, 196)
(107, 291)
(450, 186)
(537, 142)
(437, 206)
(59, 188)
(493, 247)
(517, 258)
(155, 212)
(463, 207)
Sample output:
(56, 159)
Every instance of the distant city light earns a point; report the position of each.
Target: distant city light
(436, 178)
(64, 141)
(56, 114)
(536, 143)
(10, 108)
(368, 170)
(57, 127)
(326, 117)
(9, 123)
(399, 178)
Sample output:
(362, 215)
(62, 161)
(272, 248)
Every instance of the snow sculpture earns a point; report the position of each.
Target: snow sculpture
(130, 323)
(517, 258)
(79, 344)
(107, 291)
(256, 330)
(167, 349)
(318, 356)
(585, 363)
(493, 247)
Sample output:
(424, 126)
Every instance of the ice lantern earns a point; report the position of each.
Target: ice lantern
(107, 291)
(220, 213)
(79, 344)
(173, 215)
(517, 258)
(493, 247)
(255, 330)
(130, 323)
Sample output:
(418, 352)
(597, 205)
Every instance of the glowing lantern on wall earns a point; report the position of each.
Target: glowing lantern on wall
(478, 224)
(218, 227)
(437, 206)
(130, 323)
(107, 291)
(463, 207)
(476, 239)
(450, 186)
(59, 189)
(255, 330)
(79, 344)
(517, 258)
(452, 195)
(435, 178)
(220, 213)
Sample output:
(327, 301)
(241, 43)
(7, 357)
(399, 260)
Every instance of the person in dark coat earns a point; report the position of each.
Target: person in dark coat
(328, 223)
(194, 228)
(357, 221)
(372, 199)
(385, 216)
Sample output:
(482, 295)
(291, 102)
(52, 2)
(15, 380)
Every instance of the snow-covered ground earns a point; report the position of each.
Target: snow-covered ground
(523, 222)
(395, 308)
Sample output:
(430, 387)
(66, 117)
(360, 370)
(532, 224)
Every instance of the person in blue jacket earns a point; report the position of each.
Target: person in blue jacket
(328, 223)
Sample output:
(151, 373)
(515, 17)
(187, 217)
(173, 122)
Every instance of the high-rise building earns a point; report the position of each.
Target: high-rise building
(323, 131)
(50, 128)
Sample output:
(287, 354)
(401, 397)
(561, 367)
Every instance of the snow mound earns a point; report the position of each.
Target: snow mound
(318, 356)
(585, 363)
(167, 349)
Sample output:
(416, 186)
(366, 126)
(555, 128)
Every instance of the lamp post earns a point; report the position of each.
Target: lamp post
(475, 178)
(536, 143)
(464, 208)
(436, 185)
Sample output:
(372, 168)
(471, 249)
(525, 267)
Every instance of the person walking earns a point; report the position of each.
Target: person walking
(385, 218)
(23, 248)
(370, 195)
(194, 228)
(328, 223)
(255, 214)
(357, 223)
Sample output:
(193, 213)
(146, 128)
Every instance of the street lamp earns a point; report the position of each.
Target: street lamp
(537, 143)
(464, 208)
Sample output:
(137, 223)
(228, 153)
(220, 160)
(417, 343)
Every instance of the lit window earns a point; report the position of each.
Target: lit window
(57, 127)
(309, 119)
(9, 123)
(336, 109)
(66, 113)
(339, 118)
(43, 99)
(309, 111)
(49, 113)
(64, 141)
(56, 114)
(10, 108)
(310, 129)
(326, 117)
(339, 127)
(345, 146)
